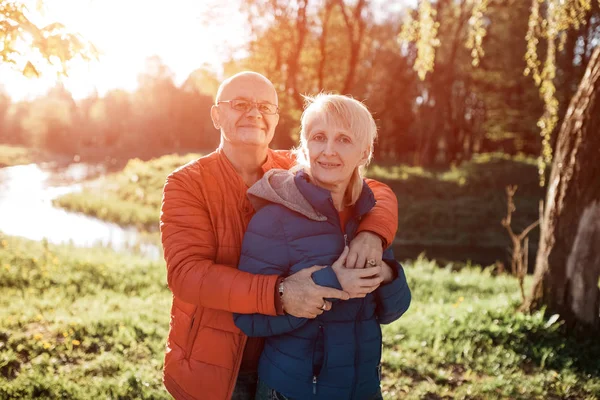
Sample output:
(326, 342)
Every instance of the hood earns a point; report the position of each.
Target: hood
(278, 186)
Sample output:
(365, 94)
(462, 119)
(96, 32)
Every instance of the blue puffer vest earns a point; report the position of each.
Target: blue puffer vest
(336, 355)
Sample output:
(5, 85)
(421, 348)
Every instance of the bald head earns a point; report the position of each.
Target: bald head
(248, 126)
(247, 79)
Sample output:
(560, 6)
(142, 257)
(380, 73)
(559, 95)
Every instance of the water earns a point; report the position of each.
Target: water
(26, 210)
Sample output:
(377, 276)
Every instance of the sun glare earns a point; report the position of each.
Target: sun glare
(126, 32)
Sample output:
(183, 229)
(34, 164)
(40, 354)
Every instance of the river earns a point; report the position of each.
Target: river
(26, 210)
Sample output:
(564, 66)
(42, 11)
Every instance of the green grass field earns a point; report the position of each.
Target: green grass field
(87, 324)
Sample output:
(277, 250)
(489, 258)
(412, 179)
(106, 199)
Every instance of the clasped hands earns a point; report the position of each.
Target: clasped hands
(359, 269)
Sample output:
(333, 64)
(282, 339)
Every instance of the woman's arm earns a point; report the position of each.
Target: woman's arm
(356, 282)
(393, 298)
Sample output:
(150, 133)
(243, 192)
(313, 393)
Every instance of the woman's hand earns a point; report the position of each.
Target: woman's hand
(387, 274)
(357, 282)
(365, 249)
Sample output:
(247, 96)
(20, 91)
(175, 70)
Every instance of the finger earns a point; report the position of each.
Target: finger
(351, 258)
(361, 259)
(368, 282)
(332, 293)
(342, 258)
(319, 311)
(327, 305)
(368, 272)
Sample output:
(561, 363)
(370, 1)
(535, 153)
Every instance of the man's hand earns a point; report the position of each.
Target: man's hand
(357, 282)
(303, 298)
(365, 247)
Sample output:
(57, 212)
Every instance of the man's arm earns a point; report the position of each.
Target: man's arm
(189, 246)
(383, 218)
(377, 229)
(264, 251)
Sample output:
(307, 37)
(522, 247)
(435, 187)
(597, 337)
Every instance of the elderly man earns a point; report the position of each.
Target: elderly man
(204, 214)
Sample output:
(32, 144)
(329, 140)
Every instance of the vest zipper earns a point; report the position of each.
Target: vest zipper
(315, 371)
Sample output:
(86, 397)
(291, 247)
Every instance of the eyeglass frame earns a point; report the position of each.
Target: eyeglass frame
(254, 104)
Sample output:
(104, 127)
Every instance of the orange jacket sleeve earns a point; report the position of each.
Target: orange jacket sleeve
(383, 218)
(189, 246)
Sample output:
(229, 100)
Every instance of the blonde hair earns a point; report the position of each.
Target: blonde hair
(347, 113)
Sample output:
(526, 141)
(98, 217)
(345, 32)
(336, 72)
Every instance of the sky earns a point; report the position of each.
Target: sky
(126, 32)
(185, 34)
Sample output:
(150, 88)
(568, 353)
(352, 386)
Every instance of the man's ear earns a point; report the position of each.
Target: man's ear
(214, 115)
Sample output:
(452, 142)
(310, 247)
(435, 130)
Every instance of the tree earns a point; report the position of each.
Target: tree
(568, 260)
(52, 44)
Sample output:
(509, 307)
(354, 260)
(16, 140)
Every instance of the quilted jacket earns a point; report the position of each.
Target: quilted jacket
(336, 355)
(204, 215)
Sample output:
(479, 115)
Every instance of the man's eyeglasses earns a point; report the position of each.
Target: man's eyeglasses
(247, 105)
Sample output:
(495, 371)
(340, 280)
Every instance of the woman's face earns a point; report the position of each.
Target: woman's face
(334, 153)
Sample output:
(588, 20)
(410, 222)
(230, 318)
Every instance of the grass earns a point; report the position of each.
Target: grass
(129, 197)
(462, 339)
(17, 155)
(459, 210)
(464, 205)
(80, 324)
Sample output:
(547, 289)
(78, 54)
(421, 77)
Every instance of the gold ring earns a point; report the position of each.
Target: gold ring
(372, 262)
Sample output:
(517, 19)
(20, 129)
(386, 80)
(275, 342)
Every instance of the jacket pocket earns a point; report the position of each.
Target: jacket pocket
(193, 332)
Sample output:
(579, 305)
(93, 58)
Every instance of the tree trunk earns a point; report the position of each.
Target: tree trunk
(568, 260)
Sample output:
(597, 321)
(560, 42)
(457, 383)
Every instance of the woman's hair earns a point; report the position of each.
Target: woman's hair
(344, 112)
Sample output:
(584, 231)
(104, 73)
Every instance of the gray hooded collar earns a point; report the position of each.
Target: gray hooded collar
(278, 186)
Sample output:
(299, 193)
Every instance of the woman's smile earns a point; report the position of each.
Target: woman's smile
(328, 164)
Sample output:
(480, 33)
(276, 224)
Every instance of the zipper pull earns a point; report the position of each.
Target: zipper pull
(314, 384)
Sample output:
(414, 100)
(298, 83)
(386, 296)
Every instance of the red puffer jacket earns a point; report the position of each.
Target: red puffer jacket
(204, 215)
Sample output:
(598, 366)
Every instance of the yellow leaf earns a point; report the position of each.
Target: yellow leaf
(30, 72)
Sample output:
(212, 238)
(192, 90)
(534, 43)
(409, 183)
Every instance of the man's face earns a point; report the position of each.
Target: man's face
(246, 127)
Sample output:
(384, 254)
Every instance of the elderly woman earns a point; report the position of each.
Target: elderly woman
(306, 218)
